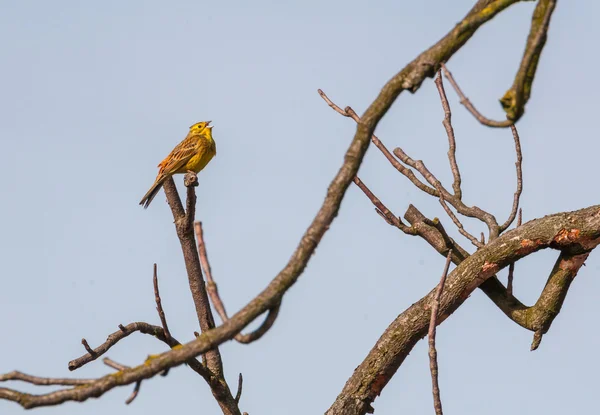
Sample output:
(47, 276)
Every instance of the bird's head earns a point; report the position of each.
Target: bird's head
(201, 127)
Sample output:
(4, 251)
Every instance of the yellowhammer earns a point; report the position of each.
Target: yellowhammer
(192, 154)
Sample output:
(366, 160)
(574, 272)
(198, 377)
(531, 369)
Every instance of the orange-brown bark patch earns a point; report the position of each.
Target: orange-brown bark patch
(528, 246)
(567, 236)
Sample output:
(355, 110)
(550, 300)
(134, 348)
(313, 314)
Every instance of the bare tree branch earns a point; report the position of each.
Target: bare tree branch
(87, 347)
(159, 309)
(349, 112)
(433, 365)
(447, 123)
(238, 395)
(516, 97)
(511, 267)
(471, 212)
(457, 222)
(410, 78)
(577, 232)
(418, 165)
(470, 107)
(124, 331)
(136, 390)
(519, 166)
(36, 380)
(381, 209)
(184, 224)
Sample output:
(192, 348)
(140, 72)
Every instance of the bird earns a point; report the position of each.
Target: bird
(192, 154)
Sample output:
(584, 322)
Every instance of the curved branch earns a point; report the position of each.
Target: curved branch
(519, 167)
(125, 331)
(410, 78)
(535, 318)
(447, 123)
(469, 105)
(262, 329)
(444, 195)
(516, 97)
(574, 233)
(408, 173)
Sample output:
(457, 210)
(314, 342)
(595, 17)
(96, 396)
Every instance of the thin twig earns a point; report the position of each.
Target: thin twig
(41, 381)
(382, 209)
(457, 222)
(112, 364)
(87, 347)
(537, 339)
(391, 350)
(519, 167)
(469, 106)
(238, 395)
(161, 313)
(410, 78)
(471, 212)
(433, 365)
(267, 323)
(136, 390)
(211, 285)
(408, 173)
(511, 267)
(124, 331)
(447, 123)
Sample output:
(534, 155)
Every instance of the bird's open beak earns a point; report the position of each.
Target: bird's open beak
(208, 122)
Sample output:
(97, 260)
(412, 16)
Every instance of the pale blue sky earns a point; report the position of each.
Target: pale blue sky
(94, 95)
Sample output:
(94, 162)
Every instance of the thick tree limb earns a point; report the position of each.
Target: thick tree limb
(516, 97)
(535, 318)
(575, 234)
(184, 224)
(410, 78)
(514, 100)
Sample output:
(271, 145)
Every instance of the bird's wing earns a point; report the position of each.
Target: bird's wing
(180, 155)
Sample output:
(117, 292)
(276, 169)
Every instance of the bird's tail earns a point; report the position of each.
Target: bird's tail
(148, 197)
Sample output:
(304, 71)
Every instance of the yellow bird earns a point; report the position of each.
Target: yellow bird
(192, 154)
